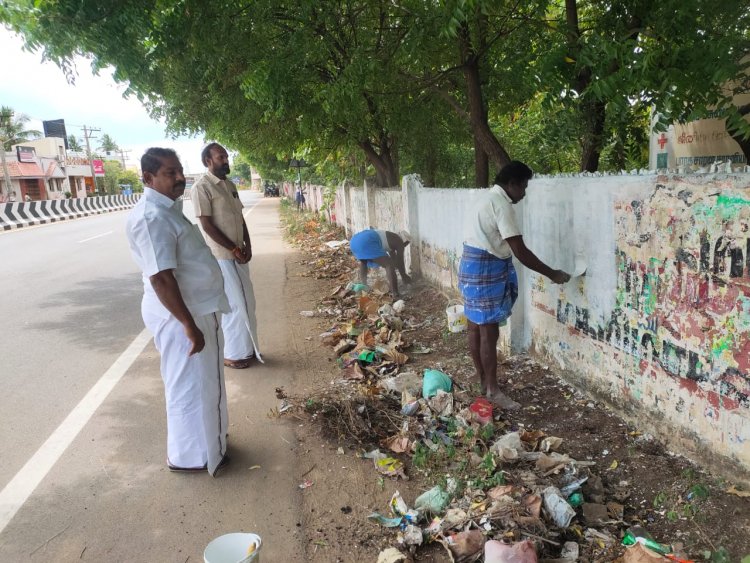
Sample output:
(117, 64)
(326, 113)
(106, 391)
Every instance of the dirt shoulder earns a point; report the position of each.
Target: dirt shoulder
(340, 413)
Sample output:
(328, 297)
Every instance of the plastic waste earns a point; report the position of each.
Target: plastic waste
(575, 500)
(508, 447)
(385, 521)
(481, 410)
(433, 381)
(558, 509)
(391, 555)
(499, 552)
(358, 287)
(399, 306)
(367, 356)
(434, 501)
(631, 539)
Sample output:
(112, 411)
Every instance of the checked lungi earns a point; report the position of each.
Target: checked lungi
(489, 286)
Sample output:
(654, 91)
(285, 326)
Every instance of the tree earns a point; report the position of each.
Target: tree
(74, 144)
(108, 144)
(130, 178)
(13, 129)
(368, 88)
(111, 180)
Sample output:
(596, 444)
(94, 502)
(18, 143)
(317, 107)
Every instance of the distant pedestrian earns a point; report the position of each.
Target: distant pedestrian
(218, 207)
(486, 277)
(182, 303)
(374, 248)
(299, 198)
(27, 197)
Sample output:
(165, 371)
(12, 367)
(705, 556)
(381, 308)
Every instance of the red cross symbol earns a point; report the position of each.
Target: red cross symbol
(662, 141)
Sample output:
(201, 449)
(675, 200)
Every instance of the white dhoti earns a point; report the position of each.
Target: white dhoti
(194, 389)
(239, 325)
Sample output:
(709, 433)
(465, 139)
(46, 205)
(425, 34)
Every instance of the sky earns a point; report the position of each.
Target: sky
(41, 91)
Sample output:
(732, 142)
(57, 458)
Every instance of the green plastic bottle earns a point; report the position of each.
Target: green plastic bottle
(630, 540)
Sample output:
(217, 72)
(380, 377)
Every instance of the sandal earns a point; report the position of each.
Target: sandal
(238, 364)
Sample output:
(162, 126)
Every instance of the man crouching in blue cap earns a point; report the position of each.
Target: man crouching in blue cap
(374, 248)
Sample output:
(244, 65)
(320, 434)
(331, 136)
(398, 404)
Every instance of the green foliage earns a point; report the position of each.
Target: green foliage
(367, 89)
(74, 144)
(13, 128)
(108, 145)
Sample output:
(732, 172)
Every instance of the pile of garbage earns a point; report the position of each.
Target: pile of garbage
(502, 493)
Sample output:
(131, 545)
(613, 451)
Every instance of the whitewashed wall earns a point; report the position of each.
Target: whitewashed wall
(659, 326)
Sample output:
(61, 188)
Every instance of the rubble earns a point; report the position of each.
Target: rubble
(494, 486)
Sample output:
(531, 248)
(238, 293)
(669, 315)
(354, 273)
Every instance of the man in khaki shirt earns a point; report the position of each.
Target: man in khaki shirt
(219, 209)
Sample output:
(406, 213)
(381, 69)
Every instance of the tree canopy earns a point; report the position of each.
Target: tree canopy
(445, 89)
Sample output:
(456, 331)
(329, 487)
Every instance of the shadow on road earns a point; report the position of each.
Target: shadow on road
(101, 314)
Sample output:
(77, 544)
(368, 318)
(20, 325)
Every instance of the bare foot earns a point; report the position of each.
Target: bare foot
(503, 401)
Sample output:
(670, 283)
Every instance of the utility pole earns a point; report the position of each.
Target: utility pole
(8, 186)
(87, 131)
(123, 154)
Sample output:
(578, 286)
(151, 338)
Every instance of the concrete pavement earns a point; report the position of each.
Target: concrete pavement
(110, 496)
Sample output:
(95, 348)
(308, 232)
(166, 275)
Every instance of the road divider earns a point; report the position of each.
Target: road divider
(29, 213)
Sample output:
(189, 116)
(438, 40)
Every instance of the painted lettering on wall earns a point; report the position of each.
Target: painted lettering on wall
(683, 288)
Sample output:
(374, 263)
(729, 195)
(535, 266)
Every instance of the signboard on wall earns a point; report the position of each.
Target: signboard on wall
(697, 144)
(25, 154)
(98, 167)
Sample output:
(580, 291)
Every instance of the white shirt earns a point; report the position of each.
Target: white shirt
(491, 222)
(161, 238)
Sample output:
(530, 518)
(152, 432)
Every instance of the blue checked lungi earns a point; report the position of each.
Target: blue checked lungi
(366, 246)
(488, 284)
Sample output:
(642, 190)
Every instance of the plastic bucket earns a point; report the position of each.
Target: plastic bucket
(233, 548)
(456, 318)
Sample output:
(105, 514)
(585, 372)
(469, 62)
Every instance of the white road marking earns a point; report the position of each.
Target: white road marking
(20, 488)
(249, 211)
(97, 236)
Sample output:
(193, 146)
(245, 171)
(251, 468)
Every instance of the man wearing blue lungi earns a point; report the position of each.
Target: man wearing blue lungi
(487, 279)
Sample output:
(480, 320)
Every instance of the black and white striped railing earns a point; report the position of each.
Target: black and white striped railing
(25, 214)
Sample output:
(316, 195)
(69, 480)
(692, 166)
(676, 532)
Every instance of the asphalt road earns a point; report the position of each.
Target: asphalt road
(82, 470)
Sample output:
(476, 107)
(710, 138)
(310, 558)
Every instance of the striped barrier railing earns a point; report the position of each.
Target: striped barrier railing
(25, 214)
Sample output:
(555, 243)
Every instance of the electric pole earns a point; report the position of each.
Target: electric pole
(87, 131)
(6, 119)
(123, 154)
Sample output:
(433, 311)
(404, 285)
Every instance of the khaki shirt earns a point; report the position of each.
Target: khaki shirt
(219, 200)
(491, 222)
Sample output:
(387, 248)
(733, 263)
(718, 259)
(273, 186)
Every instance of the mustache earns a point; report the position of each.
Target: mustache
(180, 185)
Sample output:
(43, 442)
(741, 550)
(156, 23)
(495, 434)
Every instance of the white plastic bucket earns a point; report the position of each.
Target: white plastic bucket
(456, 318)
(233, 548)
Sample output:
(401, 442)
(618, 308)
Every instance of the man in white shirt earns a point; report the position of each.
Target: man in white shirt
(182, 303)
(487, 279)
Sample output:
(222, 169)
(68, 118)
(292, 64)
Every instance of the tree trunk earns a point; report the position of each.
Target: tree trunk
(480, 127)
(743, 142)
(592, 111)
(481, 166)
(593, 135)
(386, 173)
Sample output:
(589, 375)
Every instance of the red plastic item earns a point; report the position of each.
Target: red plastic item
(482, 410)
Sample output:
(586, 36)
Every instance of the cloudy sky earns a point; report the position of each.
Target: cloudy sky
(41, 91)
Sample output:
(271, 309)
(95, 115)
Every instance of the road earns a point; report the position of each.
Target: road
(83, 473)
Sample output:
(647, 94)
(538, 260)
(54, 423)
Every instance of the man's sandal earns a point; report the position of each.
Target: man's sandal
(238, 364)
